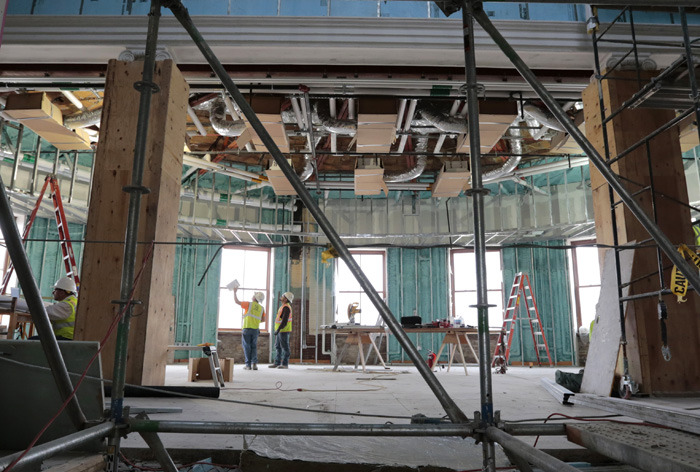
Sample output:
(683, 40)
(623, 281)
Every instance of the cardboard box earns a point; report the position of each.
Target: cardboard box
(279, 181)
(453, 179)
(36, 112)
(375, 132)
(369, 177)
(491, 129)
(199, 369)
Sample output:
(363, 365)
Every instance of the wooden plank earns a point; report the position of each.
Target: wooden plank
(605, 342)
(647, 364)
(83, 463)
(149, 334)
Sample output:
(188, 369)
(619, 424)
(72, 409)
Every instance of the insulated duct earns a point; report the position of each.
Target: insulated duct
(442, 120)
(415, 172)
(217, 116)
(322, 115)
(83, 120)
(515, 133)
(544, 117)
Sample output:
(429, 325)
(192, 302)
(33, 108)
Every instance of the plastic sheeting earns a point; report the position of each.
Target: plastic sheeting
(196, 305)
(548, 271)
(45, 257)
(454, 453)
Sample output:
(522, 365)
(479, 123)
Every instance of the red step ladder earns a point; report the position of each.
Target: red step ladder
(521, 288)
(61, 224)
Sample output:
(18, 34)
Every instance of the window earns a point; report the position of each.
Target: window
(464, 287)
(251, 267)
(348, 290)
(586, 274)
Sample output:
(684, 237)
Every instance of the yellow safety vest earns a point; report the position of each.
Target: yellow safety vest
(278, 320)
(66, 327)
(253, 316)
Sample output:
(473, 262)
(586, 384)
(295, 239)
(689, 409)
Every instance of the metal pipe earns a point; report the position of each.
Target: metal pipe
(17, 156)
(534, 429)
(40, 318)
(533, 456)
(655, 232)
(305, 429)
(486, 393)
(196, 121)
(65, 443)
(451, 408)
(146, 88)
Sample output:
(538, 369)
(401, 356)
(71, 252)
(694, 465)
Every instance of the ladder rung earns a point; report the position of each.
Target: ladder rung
(541, 346)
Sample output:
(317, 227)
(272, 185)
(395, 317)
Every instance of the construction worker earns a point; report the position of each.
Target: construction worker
(283, 329)
(62, 313)
(253, 315)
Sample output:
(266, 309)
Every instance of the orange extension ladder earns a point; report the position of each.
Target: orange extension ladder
(62, 225)
(521, 287)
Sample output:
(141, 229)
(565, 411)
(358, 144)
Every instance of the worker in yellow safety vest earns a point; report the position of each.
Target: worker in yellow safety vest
(283, 329)
(253, 315)
(62, 313)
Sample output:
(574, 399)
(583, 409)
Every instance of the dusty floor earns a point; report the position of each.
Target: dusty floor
(399, 392)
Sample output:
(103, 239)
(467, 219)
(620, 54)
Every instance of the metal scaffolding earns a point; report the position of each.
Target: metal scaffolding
(485, 426)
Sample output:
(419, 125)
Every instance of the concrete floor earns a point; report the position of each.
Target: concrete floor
(399, 392)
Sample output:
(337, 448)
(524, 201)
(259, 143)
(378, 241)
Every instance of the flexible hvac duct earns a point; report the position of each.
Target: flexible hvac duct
(516, 148)
(322, 115)
(543, 116)
(442, 120)
(217, 116)
(83, 120)
(417, 170)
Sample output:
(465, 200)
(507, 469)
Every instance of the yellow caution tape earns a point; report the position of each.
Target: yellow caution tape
(679, 284)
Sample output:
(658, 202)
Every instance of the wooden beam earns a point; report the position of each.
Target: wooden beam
(665, 170)
(152, 324)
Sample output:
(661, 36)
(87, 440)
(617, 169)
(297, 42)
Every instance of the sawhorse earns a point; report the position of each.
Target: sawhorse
(360, 339)
(455, 340)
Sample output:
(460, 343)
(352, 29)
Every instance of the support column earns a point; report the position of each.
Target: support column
(665, 171)
(152, 320)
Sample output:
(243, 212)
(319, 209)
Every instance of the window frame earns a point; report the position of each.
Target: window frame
(576, 285)
(453, 300)
(383, 294)
(267, 291)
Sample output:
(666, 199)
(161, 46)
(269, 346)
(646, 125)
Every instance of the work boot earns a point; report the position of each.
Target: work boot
(247, 367)
(273, 366)
(282, 367)
(255, 366)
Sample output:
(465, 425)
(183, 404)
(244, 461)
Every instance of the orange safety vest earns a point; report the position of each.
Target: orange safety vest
(278, 319)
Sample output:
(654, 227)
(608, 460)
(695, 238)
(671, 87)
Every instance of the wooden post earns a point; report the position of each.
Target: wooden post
(647, 365)
(153, 319)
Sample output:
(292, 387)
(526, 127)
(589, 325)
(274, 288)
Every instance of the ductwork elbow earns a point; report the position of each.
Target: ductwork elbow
(83, 120)
(543, 116)
(417, 170)
(443, 121)
(333, 125)
(224, 127)
(516, 148)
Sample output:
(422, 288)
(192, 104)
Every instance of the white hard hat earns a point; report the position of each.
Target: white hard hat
(259, 296)
(288, 295)
(67, 284)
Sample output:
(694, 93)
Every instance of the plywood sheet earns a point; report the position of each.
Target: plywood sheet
(599, 373)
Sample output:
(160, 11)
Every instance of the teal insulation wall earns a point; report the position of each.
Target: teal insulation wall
(45, 255)
(417, 279)
(196, 304)
(548, 272)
